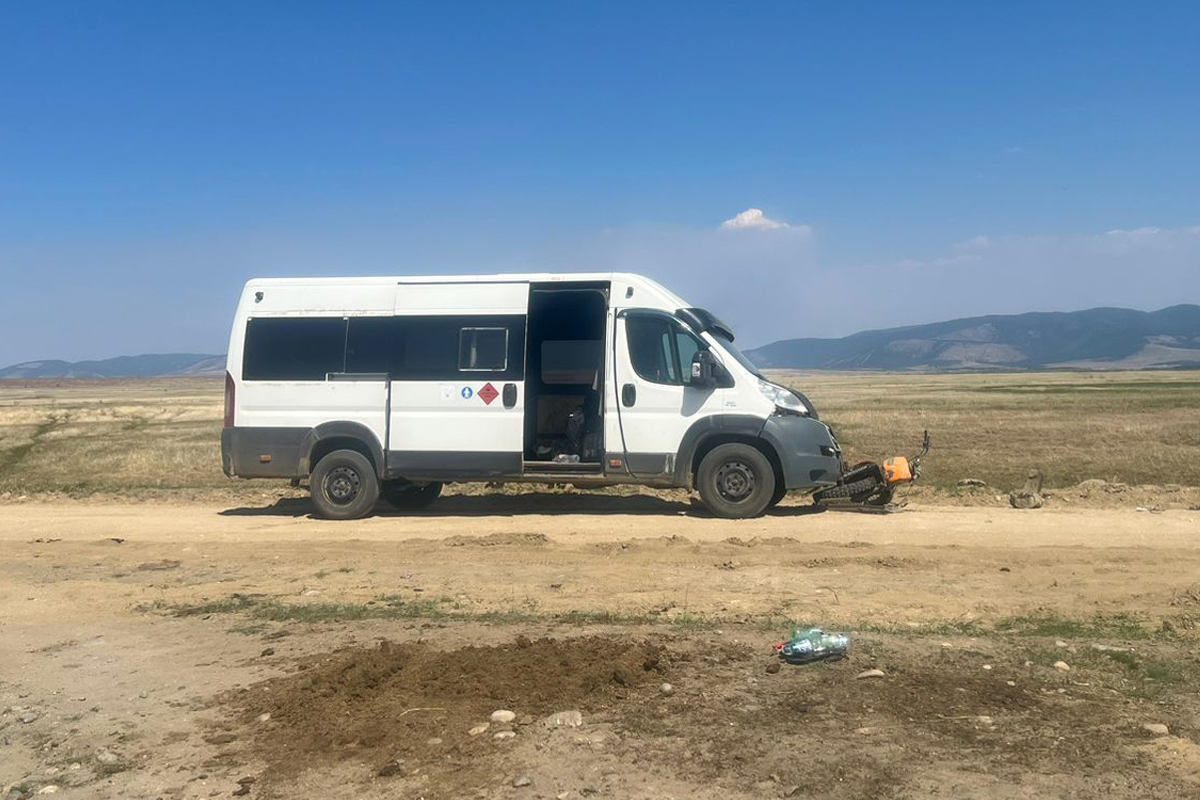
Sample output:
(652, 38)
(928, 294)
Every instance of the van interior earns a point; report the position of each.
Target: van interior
(564, 377)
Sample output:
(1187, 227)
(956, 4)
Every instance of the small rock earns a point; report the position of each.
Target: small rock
(987, 666)
(1062, 666)
(972, 483)
(263, 717)
(1025, 500)
(870, 673)
(773, 667)
(433, 741)
(28, 717)
(866, 731)
(1059, 643)
(1157, 728)
(503, 716)
(107, 757)
(269, 651)
(503, 736)
(1108, 648)
(220, 738)
(984, 719)
(522, 780)
(667, 689)
(478, 729)
(565, 719)
(241, 791)
(158, 566)
(51, 789)
(390, 769)
(1010, 683)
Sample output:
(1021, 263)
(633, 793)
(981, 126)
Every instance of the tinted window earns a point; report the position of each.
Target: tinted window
(369, 344)
(650, 348)
(293, 348)
(429, 347)
(407, 347)
(483, 349)
(687, 346)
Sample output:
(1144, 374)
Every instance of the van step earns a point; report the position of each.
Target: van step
(557, 468)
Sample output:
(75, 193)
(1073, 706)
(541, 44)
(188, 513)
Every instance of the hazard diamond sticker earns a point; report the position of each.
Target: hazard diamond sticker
(488, 393)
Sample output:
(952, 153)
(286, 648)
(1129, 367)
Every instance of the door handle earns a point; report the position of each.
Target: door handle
(509, 395)
(628, 395)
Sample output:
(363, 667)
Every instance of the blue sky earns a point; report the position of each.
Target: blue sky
(929, 160)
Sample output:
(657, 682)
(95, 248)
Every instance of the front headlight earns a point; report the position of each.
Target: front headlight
(784, 400)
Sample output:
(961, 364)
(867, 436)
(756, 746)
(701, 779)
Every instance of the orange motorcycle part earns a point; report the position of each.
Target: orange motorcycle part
(896, 470)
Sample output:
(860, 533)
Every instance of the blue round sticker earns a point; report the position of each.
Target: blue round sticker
(467, 392)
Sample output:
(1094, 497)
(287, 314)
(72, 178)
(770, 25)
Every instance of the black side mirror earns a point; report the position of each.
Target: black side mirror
(704, 369)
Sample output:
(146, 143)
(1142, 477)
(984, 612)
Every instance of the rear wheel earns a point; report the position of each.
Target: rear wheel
(344, 485)
(736, 481)
(405, 496)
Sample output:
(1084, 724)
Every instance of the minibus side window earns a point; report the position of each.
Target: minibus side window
(444, 347)
(650, 348)
(687, 346)
(293, 348)
(369, 345)
(483, 349)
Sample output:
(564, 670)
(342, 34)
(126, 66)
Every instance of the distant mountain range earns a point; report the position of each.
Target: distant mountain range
(148, 366)
(1100, 338)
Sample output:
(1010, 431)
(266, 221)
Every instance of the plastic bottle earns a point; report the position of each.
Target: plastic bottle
(807, 646)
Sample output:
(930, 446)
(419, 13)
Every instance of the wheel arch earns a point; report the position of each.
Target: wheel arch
(718, 429)
(330, 436)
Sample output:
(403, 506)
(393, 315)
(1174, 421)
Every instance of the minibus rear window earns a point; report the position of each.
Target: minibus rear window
(293, 348)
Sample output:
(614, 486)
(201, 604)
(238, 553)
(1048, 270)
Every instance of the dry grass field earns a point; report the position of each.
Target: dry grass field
(154, 436)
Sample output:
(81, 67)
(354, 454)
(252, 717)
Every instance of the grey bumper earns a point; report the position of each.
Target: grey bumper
(265, 452)
(810, 456)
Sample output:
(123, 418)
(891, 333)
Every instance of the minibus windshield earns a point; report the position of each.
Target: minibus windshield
(733, 350)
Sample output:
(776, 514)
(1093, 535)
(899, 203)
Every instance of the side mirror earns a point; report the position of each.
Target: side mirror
(705, 369)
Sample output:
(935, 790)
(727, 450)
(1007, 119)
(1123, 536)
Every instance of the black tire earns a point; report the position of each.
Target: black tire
(404, 496)
(736, 481)
(867, 490)
(780, 493)
(344, 485)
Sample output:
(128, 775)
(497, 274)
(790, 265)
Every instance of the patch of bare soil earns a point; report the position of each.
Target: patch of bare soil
(384, 706)
(732, 726)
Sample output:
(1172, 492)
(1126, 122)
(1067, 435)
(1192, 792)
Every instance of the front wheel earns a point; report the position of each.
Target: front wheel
(344, 485)
(736, 481)
(404, 496)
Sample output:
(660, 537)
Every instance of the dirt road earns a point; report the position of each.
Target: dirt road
(141, 645)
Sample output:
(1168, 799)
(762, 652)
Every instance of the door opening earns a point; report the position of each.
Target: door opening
(564, 382)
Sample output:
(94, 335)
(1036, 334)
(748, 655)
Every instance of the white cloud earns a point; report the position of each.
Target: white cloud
(754, 219)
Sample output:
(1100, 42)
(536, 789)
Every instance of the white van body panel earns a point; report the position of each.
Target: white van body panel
(448, 415)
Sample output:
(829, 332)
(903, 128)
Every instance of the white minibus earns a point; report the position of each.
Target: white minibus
(390, 387)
